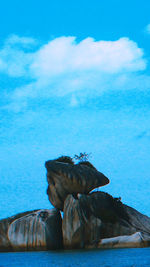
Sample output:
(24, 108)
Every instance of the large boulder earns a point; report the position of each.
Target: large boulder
(66, 178)
(136, 240)
(89, 219)
(4, 225)
(79, 226)
(37, 230)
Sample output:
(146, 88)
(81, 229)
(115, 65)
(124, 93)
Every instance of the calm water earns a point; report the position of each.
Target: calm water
(95, 258)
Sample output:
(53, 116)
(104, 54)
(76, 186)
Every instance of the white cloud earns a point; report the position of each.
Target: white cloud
(65, 55)
(15, 56)
(15, 63)
(64, 66)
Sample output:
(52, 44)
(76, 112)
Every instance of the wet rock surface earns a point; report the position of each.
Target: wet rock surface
(37, 230)
(4, 225)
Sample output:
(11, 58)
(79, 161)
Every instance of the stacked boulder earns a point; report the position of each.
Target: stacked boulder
(90, 220)
(66, 178)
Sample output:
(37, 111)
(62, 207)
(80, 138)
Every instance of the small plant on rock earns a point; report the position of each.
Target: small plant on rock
(82, 157)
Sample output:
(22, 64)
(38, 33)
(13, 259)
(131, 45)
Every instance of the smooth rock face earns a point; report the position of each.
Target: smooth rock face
(136, 240)
(138, 220)
(64, 179)
(38, 230)
(4, 225)
(97, 216)
(79, 226)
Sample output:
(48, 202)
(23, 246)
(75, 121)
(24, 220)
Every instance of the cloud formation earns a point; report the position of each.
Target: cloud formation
(64, 66)
(66, 55)
(15, 56)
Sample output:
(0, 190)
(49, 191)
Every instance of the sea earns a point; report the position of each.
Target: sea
(133, 257)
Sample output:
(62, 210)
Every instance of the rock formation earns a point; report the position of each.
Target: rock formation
(80, 227)
(90, 219)
(65, 178)
(37, 230)
(136, 240)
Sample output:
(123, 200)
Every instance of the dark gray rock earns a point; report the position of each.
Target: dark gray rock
(64, 179)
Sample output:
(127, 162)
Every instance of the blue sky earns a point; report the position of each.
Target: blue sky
(74, 77)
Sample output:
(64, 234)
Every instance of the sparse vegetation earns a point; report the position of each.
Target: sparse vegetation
(82, 157)
(65, 159)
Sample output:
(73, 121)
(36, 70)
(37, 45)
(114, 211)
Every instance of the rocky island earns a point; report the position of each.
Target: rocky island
(80, 218)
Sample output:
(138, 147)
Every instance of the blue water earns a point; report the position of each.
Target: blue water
(93, 258)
